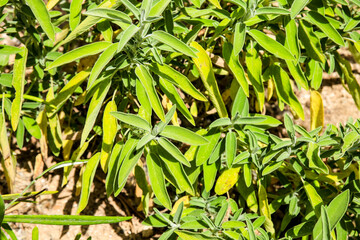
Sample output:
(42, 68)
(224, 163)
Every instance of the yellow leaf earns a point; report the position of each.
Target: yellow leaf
(67, 143)
(227, 180)
(316, 110)
(216, 3)
(194, 109)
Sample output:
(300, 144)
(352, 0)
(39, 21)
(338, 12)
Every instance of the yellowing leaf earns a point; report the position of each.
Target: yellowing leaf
(204, 66)
(316, 110)
(185, 199)
(226, 180)
(109, 133)
(264, 209)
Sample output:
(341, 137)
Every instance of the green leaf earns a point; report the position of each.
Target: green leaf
(81, 52)
(147, 81)
(178, 213)
(251, 231)
(8, 50)
(175, 98)
(42, 15)
(321, 22)
(2, 209)
(255, 74)
(94, 108)
(271, 168)
(204, 151)
(157, 180)
(303, 229)
(87, 179)
(132, 8)
(240, 104)
(314, 198)
(230, 148)
(127, 167)
(284, 90)
(113, 167)
(90, 21)
(132, 120)
(220, 122)
(233, 224)
(75, 14)
(173, 42)
(310, 41)
(176, 78)
(297, 73)
(221, 214)
(18, 84)
(291, 40)
(183, 135)
(315, 162)
(326, 231)
(158, 8)
(32, 127)
(297, 6)
(63, 219)
(126, 36)
(271, 45)
(204, 66)
(272, 10)
(101, 63)
(110, 14)
(173, 150)
(210, 170)
(232, 60)
(239, 37)
(177, 172)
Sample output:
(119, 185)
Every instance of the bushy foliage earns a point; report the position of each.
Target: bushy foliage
(173, 92)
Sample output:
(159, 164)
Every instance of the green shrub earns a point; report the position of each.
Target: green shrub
(99, 70)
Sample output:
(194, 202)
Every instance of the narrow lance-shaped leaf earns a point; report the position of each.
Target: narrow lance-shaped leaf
(232, 60)
(87, 179)
(310, 41)
(126, 36)
(204, 66)
(127, 166)
(173, 150)
(314, 198)
(63, 219)
(18, 84)
(204, 151)
(81, 52)
(239, 37)
(132, 8)
(183, 135)
(321, 22)
(42, 15)
(75, 14)
(86, 24)
(230, 147)
(271, 45)
(157, 179)
(132, 120)
(109, 133)
(32, 127)
(173, 42)
(254, 63)
(297, 6)
(101, 63)
(110, 14)
(147, 81)
(94, 108)
(175, 98)
(8, 50)
(178, 79)
(284, 90)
